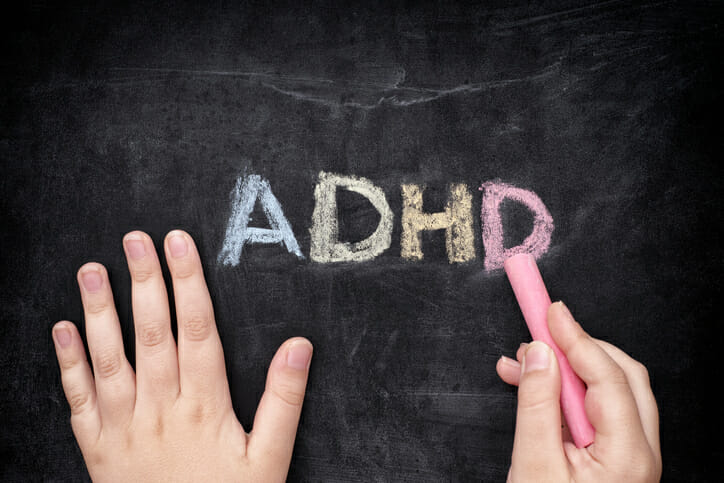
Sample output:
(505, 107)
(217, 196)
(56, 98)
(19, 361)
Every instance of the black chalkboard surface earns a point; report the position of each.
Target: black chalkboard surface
(118, 117)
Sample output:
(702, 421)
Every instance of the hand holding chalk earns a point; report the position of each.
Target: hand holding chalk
(621, 407)
(534, 302)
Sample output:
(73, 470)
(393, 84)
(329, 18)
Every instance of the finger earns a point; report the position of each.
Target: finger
(156, 360)
(521, 351)
(202, 373)
(114, 378)
(509, 370)
(538, 448)
(638, 378)
(78, 385)
(276, 420)
(610, 404)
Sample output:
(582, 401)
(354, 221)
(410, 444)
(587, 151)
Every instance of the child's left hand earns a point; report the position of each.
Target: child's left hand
(173, 419)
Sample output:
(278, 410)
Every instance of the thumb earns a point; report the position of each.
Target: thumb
(277, 417)
(538, 447)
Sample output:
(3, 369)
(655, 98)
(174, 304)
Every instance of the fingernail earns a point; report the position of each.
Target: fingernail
(510, 362)
(62, 336)
(537, 357)
(299, 355)
(92, 281)
(564, 310)
(177, 245)
(135, 247)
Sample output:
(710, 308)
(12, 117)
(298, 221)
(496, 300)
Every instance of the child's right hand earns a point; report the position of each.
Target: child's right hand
(619, 404)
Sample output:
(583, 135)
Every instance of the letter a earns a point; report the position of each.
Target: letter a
(238, 232)
(456, 220)
(536, 243)
(325, 245)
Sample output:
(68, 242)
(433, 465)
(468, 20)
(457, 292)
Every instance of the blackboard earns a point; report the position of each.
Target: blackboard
(119, 117)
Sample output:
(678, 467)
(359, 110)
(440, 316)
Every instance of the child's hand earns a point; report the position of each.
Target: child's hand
(619, 404)
(172, 420)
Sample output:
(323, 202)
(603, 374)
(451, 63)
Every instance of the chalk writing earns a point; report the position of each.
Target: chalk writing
(492, 227)
(246, 192)
(325, 246)
(456, 220)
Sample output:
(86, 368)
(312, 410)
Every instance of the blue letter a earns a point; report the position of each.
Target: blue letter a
(238, 232)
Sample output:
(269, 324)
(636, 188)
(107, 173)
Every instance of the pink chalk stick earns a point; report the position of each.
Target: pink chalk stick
(534, 302)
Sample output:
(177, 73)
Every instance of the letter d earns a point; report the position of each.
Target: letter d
(325, 245)
(536, 243)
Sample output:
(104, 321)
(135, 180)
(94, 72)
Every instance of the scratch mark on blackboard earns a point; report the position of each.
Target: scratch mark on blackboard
(350, 94)
(585, 13)
(354, 350)
(405, 96)
(476, 395)
(257, 327)
(382, 361)
(417, 297)
(560, 13)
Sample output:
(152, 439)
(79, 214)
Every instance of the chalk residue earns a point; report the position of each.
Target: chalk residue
(371, 87)
(325, 245)
(536, 243)
(246, 192)
(456, 220)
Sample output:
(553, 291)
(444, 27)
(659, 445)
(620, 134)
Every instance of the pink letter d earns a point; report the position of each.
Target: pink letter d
(492, 227)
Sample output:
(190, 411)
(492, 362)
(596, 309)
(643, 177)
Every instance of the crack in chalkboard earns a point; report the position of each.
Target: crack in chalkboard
(352, 94)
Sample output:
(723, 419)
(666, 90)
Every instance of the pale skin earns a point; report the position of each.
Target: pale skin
(619, 404)
(172, 419)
